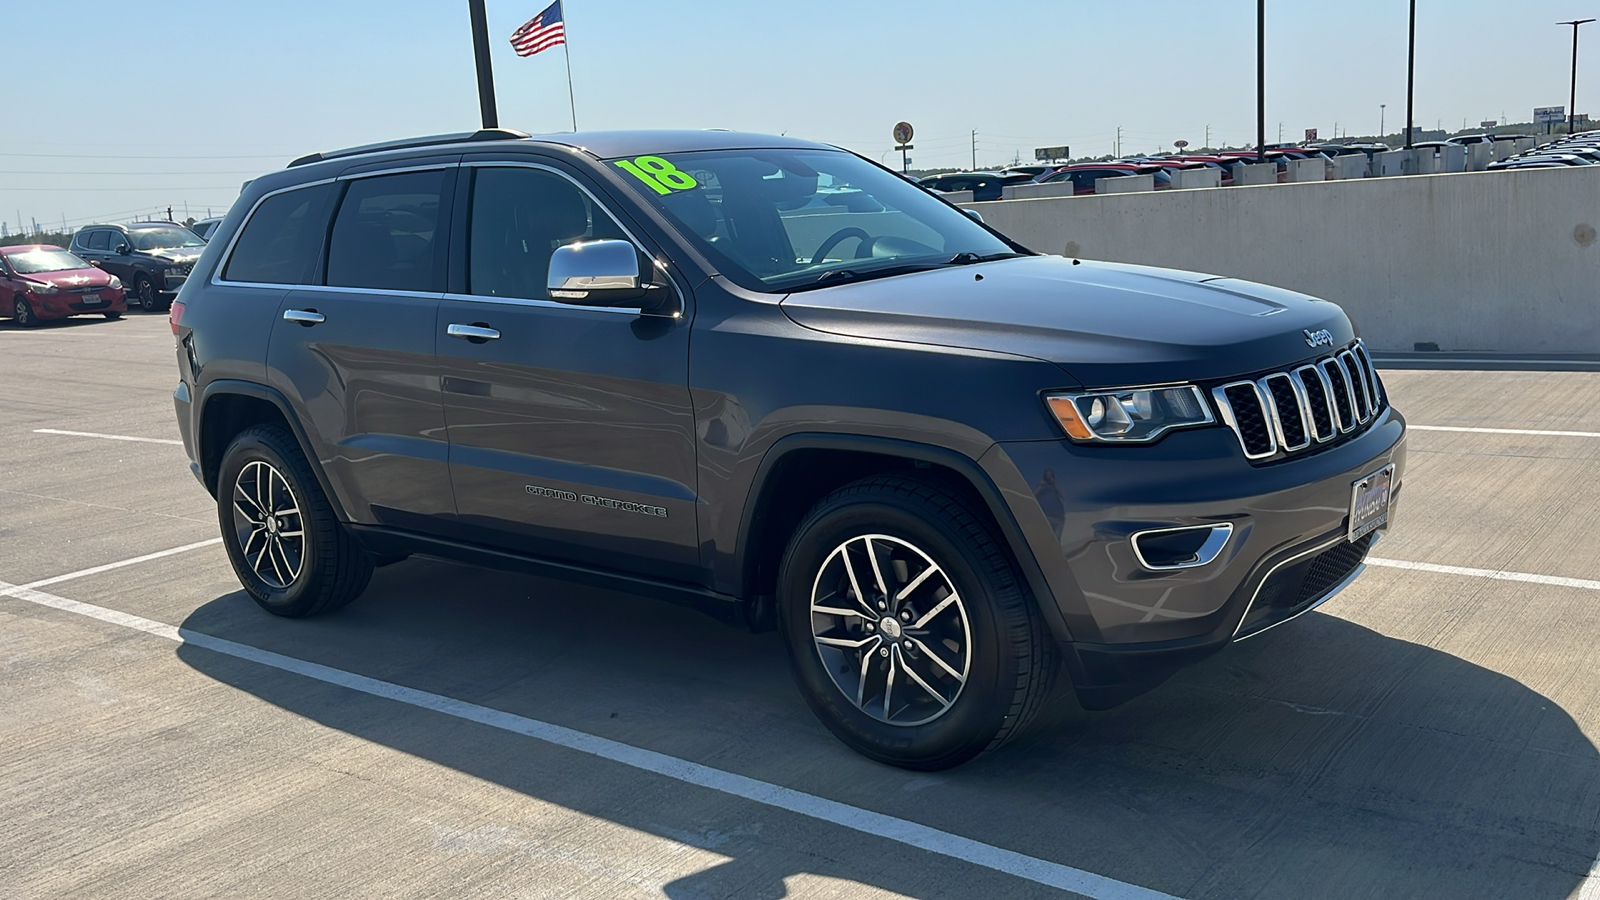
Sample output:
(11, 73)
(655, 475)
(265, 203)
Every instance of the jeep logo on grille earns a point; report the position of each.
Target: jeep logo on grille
(1323, 338)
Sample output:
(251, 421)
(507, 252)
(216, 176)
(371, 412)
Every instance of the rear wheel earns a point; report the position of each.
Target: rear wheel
(289, 550)
(22, 313)
(911, 634)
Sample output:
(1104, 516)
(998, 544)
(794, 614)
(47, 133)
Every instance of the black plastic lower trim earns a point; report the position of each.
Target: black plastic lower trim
(390, 542)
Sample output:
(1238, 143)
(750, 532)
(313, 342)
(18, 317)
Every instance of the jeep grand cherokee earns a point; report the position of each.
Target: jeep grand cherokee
(776, 381)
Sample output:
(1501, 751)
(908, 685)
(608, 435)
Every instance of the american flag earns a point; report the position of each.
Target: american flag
(541, 33)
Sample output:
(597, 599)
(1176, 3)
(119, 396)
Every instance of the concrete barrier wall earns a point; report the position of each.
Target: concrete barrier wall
(1126, 184)
(1501, 261)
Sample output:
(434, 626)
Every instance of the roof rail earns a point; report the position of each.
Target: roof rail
(485, 134)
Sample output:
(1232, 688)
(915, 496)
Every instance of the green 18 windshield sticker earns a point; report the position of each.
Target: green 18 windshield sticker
(659, 175)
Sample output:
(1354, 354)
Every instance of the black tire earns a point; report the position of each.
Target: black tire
(149, 298)
(332, 568)
(22, 313)
(1011, 660)
(113, 316)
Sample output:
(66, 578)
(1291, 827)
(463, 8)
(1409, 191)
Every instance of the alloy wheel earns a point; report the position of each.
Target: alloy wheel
(891, 629)
(23, 313)
(268, 524)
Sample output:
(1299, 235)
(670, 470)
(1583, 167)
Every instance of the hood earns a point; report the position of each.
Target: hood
(176, 254)
(1106, 324)
(72, 279)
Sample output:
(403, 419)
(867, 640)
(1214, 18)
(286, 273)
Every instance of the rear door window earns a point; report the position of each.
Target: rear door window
(281, 242)
(99, 240)
(387, 234)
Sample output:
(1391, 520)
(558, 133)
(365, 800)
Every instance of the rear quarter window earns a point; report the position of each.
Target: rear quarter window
(281, 242)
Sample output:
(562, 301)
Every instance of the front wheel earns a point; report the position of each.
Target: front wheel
(289, 550)
(149, 297)
(910, 632)
(22, 313)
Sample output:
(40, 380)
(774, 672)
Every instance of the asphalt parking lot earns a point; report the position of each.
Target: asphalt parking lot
(1431, 732)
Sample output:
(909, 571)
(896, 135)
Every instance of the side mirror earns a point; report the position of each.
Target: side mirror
(123, 250)
(95, 263)
(598, 273)
(974, 215)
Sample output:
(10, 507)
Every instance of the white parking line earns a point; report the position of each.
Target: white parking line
(1582, 434)
(159, 554)
(855, 818)
(1590, 889)
(1493, 574)
(108, 437)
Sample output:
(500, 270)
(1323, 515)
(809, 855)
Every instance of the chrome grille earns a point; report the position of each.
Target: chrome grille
(1288, 412)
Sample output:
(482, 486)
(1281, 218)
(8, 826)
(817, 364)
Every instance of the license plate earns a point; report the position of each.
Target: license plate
(90, 299)
(1369, 503)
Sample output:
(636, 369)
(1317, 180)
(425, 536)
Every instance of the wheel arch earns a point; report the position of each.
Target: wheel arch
(229, 407)
(800, 469)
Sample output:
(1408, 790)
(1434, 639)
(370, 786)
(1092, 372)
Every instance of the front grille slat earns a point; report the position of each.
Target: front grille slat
(1288, 412)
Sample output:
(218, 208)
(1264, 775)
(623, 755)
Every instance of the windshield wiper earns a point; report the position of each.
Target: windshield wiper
(845, 276)
(967, 259)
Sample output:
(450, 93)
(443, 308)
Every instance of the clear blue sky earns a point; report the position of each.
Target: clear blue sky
(212, 92)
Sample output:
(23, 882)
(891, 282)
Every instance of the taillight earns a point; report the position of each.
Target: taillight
(175, 316)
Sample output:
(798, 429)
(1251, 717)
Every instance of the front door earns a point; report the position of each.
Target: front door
(571, 429)
(354, 350)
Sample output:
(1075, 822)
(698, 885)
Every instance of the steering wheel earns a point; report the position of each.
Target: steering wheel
(836, 237)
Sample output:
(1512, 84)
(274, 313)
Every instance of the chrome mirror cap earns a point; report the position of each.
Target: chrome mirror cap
(596, 273)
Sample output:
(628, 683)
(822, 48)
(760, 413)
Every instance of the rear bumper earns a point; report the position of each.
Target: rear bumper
(1127, 627)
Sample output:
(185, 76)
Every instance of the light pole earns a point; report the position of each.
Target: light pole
(480, 49)
(1261, 81)
(1382, 112)
(1572, 111)
(1411, 76)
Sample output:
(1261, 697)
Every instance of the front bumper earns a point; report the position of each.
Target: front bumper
(63, 304)
(172, 282)
(1128, 627)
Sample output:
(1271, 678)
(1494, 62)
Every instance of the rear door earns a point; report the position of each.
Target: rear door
(355, 350)
(571, 431)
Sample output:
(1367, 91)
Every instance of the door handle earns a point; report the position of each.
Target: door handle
(306, 317)
(476, 333)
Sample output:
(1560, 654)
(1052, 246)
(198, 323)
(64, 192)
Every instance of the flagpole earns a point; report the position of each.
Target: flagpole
(566, 54)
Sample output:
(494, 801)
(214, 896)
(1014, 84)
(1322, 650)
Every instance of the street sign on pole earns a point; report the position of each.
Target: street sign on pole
(1549, 116)
(1045, 154)
(902, 139)
(1180, 144)
(1311, 135)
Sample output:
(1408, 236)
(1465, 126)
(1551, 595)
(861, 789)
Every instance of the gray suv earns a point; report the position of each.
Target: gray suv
(777, 382)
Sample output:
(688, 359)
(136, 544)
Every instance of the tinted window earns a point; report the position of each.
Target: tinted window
(280, 243)
(519, 217)
(385, 235)
(99, 240)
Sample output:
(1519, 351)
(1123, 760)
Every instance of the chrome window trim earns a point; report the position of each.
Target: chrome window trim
(1328, 545)
(1276, 417)
(1208, 552)
(1226, 408)
(543, 304)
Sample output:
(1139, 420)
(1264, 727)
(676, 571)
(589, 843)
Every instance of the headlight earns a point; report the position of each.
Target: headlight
(34, 287)
(1131, 415)
(115, 283)
(175, 270)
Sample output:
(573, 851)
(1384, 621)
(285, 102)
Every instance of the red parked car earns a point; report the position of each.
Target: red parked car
(1084, 175)
(40, 281)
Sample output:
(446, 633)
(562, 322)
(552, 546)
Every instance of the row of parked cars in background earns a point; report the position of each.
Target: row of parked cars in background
(104, 270)
(1582, 149)
(1083, 175)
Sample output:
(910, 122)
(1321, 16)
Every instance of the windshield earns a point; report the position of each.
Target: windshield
(782, 220)
(30, 262)
(164, 238)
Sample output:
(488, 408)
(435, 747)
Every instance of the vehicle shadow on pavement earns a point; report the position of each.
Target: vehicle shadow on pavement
(1321, 760)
